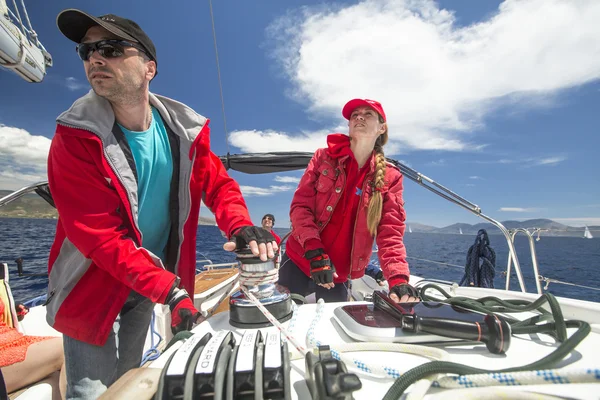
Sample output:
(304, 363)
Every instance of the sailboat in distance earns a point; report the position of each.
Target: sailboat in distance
(409, 229)
(587, 234)
(460, 231)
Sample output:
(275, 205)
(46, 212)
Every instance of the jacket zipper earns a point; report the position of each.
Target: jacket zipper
(354, 229)
(188, 208)
(113, 168)
(338, 198)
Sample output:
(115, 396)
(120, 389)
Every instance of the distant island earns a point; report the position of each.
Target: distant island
(33, 206)
(549, 227)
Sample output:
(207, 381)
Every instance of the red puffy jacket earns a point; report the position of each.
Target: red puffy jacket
(317, 196)
(97, 256)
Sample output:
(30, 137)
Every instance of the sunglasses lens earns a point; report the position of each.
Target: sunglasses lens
(83, 49)
(106, 50)
(110, 51)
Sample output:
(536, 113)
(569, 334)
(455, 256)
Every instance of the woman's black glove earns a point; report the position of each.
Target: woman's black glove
(321, 269)
(404, 289)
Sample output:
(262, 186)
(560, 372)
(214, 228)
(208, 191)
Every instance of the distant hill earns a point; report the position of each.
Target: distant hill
(33, 206)
(553, 228)
(29, 206)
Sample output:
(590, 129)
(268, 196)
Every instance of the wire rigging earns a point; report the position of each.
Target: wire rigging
(212, 20)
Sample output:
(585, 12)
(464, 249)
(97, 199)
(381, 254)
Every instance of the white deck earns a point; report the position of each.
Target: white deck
(524, 349)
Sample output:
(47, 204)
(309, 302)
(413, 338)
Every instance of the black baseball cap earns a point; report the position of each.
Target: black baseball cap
(270, 216)
(75, 23)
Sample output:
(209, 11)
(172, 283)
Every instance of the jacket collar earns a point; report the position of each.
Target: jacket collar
(94, 113)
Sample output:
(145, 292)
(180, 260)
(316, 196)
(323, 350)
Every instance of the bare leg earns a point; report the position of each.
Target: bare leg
(62, 382)
(41, 360)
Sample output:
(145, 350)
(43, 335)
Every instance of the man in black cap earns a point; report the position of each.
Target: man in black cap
(268, 222)
(127, 170)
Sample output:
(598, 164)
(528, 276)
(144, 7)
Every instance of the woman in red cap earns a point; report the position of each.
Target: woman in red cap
(348, 197)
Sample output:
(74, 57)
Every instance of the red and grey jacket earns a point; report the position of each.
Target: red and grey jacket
(98, 257)
(317, 196)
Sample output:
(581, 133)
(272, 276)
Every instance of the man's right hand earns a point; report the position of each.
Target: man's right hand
(321, 270)
(183, 313)
(259, 240)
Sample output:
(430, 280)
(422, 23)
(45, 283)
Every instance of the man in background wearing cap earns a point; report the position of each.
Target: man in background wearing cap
(127, 170)
(347, 197)
(268, 222)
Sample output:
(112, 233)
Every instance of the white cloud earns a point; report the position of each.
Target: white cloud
(438, 163)
(517, 209)
(286, 179)
(255, 141)
(437, 80)
(250, 191)
(550, 160)
(23, 157)
(74, 84)
(475, 177)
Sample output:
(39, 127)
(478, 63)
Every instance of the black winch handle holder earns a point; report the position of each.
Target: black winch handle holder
(328, 378)
(206, 378)
(276, 368)
(244, 380)
(172, 381)
(494, 331)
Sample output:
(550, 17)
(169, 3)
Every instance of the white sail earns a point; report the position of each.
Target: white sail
(587, 234)
(460, 231)
(409, 229)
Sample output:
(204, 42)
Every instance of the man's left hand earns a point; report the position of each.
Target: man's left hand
(260, 242)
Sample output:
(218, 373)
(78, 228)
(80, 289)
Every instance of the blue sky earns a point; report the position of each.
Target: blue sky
(496, 100)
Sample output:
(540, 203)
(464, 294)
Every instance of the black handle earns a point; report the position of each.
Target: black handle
(494, 331)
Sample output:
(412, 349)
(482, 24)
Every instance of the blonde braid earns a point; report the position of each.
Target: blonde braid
(376, 202)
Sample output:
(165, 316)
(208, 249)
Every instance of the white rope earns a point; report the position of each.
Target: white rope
(258, 278)
(491, 394)
(32, 32)
(273, 320)
(541, 377)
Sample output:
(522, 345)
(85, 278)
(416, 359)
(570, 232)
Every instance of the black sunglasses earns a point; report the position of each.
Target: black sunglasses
(111, 48)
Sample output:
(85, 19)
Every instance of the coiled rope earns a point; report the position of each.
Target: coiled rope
(480, 267)
(555, 326)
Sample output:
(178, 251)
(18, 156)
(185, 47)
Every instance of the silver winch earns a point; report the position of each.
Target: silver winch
(257, 277)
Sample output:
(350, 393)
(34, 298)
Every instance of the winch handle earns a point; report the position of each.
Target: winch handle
(495, 332)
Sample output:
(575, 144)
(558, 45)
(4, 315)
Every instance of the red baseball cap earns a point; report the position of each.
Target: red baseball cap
(354, 103)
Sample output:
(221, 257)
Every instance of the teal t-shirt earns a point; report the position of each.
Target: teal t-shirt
(152, 154)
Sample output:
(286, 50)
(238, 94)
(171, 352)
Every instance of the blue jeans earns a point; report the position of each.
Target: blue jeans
(92, 369)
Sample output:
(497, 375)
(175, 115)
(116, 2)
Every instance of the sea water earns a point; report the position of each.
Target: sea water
(568, 259)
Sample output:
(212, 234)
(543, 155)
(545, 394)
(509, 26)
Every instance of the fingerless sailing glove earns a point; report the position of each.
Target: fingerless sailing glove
(321, 269)
(404, 289)
(244, 235)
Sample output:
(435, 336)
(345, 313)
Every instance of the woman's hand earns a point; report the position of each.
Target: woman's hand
(404, 293)
(322, 271)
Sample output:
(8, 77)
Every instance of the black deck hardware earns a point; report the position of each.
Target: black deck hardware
(328, 378)
(172, 381)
